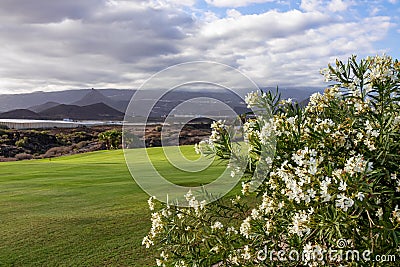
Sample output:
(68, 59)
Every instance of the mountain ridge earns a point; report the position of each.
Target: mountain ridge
(110, 104)
(98, 111)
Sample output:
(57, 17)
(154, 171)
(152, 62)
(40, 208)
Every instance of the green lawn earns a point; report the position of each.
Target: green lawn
(81, 210)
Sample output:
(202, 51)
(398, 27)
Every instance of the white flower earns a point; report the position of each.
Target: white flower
(231, 230)
(235, 171)
(291, 120)
(360, 196)
(393, 176)
(342, 186)
(325, 183)
(189, 196)
(147, 242)
(215, 249)
(245, 227)
(164, 255)
(369, 144)
(357, 164)
(375, 133)
(268, 160)
(203, 204)
(267, 204)
(180, 263)
(194, 203)
(368, 126)
(166, 212)
(370, 166)
(235, 200)
(344, 202)
(255, 214)
(233, 259)
(217, 225)
(246, 254)
(379, 213)
(299, 224)
(251, 99)
(312, 169)
(396, 121)
(325, 196)
(245, 188)
(266, 133)
(151, 203)
(396, 215)
(159, 262)
(315, 99)
(311, 193)
(156, 224)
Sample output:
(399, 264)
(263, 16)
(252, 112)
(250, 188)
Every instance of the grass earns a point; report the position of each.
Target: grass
(81, 210)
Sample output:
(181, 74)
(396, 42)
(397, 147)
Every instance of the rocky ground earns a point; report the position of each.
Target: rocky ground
(30, 144)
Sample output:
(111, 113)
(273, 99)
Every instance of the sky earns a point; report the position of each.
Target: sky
(49, 45)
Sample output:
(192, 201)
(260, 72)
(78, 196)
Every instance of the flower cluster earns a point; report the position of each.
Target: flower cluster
(335, 175)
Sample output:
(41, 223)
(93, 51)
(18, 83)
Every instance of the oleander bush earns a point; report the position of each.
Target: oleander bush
(328, 197)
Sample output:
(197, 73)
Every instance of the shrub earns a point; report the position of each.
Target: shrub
(332, 187)
(111, 138)
(22, 142)
(23, 156)
(80, 145)
(57, 151)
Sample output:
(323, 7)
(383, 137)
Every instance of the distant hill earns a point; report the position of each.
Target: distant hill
(20, 114)
(66, 104)
(98, 111)
(26, 100)
(47, 105)
(95, 96)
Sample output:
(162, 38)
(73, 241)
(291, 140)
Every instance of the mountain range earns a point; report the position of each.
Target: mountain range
(110, 104)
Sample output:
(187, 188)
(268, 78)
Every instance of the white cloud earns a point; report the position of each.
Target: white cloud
(322, 6)
(169, 3)
(95, 50)
(338, 5)
(233, 13)
(264, 26)
(119, 44)
(375, 10)
(289, 48)
(236, 3)
(310, 5)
